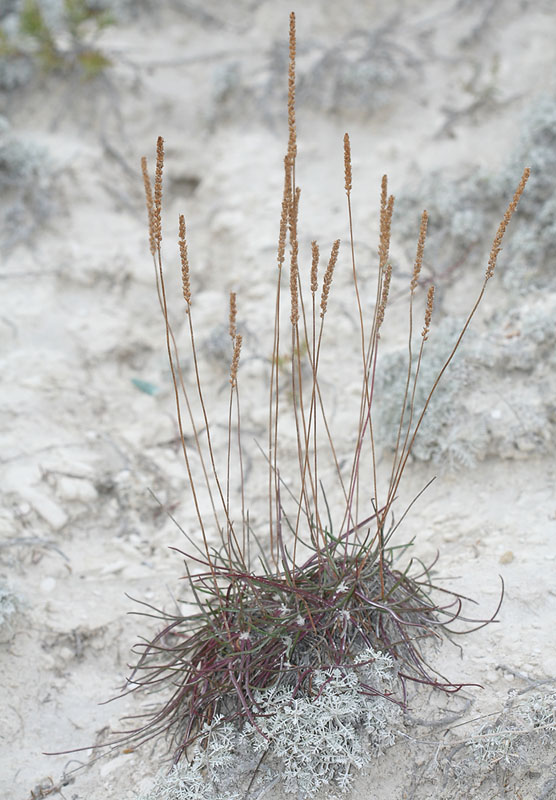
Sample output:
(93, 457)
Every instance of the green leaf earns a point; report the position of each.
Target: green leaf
(31, 22)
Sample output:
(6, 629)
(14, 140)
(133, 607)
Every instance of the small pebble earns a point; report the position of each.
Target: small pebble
(46, 508)
(77, 489)
(115, 764)
(48, 584)
(48, 661)
(112, 568)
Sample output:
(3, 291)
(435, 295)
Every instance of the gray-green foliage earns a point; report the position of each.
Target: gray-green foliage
(9, 605)
(26, 182)
(531, 249)
(309, 742)
(200, 778)
(320, 740)
(460, 218)
(506, 742)
(53, 35)
(499, 395)
(539, 713)
(464, 212)
(498, 398)
(356, 76)
(444, 435)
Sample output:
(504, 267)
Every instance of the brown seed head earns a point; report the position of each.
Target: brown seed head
(235, 360)
(383, 199)
(294, 214)
(150, 204)
(428, 313)
(327, 282)
(497, 243)
(314, 266)
(384, 296)
(294, 259)
(292, 141)
(157, 204)
(284, 217)
(233, 315)
(347, 163)
(184, 263)
(420, 251)
(283, 232)
(386, 212)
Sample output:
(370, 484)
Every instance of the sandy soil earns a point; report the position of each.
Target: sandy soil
(89, 423)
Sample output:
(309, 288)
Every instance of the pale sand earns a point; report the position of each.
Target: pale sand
(81, 321)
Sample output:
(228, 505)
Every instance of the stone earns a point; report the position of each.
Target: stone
(46, 508)
(48, 584)
(76, 489)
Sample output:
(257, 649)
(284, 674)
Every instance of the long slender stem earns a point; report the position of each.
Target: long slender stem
(178, 415)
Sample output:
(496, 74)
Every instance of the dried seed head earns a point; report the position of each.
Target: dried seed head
(284, 217)
(428, 313)
(314, 266)
(157, 204)
(294, 214)
(383, 200)
(327, 282)
(235, 360)
(497, 243)
(150, 204)
(292, 141)
(294, 261)
(384, 296)
(184, 263)
(386, 211)
(233, 315)
(347, 163)
(420, 251)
